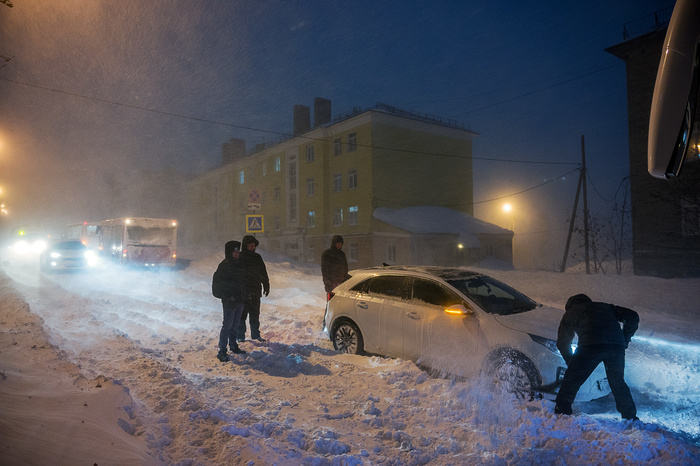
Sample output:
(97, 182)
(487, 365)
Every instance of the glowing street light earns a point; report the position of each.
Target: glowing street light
(508, 208)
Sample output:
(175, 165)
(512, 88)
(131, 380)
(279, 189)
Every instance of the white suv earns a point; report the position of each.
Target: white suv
(453, 321)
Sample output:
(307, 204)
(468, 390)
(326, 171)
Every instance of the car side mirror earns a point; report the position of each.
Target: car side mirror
(458, 309)
(675, 93)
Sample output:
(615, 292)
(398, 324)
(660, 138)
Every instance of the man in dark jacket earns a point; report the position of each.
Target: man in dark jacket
(257, 283)
(600, 339)
(334, 265)
(229, 284)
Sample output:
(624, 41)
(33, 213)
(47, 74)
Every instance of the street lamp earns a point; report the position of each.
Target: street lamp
(508, 209)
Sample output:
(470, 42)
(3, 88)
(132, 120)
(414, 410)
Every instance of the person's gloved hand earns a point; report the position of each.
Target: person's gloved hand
(266, 290)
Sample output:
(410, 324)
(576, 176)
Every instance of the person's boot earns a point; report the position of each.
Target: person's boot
(222, 356)
(237, 350)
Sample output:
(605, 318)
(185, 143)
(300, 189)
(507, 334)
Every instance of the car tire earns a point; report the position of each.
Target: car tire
(515, 373)
(347, 338)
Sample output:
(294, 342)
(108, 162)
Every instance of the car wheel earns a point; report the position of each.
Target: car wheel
(515, 373)
(347, 338)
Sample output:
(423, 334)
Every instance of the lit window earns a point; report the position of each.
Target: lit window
(310, 219)
(338, 217)
(337, 147)
(241, 177)
(352, 142)
(352, 215)
(337, 183)
(352, 179)
(278, 164)
(310, 155)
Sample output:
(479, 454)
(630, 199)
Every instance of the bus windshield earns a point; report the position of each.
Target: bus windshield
(155, 236)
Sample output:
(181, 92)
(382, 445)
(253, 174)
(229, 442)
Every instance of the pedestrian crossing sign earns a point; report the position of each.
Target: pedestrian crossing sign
(254, 224)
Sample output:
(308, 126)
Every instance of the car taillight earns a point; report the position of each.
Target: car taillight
(329, 295)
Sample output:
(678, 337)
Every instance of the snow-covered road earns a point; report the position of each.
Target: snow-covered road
(296, 401)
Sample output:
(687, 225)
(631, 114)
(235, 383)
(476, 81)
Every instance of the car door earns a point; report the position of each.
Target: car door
(445, 341)
(385, 294)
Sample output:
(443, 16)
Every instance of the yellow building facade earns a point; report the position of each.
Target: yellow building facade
(295, 194)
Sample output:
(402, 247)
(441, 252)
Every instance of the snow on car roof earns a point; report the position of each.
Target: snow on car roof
(446, 273)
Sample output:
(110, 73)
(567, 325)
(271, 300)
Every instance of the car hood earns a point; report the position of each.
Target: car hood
(542, 321)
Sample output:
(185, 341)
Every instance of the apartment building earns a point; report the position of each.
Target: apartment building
(294, 194)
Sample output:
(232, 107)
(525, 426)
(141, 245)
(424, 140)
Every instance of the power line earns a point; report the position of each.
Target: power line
(277, 133)
(495, 198)
(560, 83)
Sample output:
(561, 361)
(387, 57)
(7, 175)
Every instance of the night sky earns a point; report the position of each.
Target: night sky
(96, 87)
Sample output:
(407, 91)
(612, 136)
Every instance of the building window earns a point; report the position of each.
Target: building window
(278, 193)
(241, 177)
(310, 219)
(352, 142)
(310, 154)
(353, 252)
(690, 216)
(278, 164)
(292, 173)
(278, 223)
(338, 217)
(292, 207)
(352, 179)
(352, 215)
(390, 253)
(264, 169)
(337, 183)
(337, 147)
(310, 187)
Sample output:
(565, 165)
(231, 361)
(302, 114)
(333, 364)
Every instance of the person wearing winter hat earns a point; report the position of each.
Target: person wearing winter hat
(229, 285)
(334, 265)
(257, 283)
(600, 339)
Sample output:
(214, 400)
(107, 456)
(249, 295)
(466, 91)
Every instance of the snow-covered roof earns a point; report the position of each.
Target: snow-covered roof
(424, 220)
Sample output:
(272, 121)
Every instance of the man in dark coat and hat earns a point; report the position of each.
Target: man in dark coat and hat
(600, 339)
(229, 285)
(257, 283)
(334, 265)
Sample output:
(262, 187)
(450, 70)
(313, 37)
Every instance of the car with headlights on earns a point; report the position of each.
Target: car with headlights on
(454, 322)
(66, 255)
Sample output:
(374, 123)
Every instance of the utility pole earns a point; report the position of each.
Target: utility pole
(585, 206)
(581, 182)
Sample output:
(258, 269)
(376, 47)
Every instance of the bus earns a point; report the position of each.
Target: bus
(148, 242)
(85, 232)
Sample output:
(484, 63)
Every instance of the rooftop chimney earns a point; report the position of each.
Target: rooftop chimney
(232, 150)
(302, 119)
(322, 111)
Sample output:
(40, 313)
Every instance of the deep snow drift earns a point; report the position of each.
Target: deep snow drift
(149, 339)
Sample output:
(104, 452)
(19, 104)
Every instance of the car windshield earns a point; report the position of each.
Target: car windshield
(493, 296)
(67, 245)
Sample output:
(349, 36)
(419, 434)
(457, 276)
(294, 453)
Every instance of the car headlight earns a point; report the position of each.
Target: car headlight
(550, 344)
(55, 255)
(91, 258)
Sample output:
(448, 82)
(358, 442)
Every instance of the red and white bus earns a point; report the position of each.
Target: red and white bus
(149, 242)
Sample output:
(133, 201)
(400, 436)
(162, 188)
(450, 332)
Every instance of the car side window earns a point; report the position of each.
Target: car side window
(433, 293)
(387, 285)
